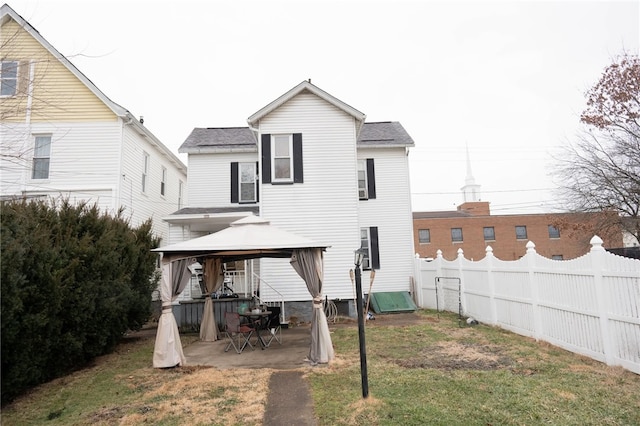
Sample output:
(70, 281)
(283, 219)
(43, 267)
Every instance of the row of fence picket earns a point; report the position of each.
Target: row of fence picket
(589, 305)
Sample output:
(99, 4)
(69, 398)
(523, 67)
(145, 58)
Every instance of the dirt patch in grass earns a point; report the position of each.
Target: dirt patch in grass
(458, 356)
(201, 394)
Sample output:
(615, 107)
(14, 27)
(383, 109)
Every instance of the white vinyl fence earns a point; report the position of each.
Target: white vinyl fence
(589, 305)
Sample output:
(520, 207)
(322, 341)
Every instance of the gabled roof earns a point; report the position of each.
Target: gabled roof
(218, 139)
(387, 134)
(308, 87)
(384, 134)
(6, 13)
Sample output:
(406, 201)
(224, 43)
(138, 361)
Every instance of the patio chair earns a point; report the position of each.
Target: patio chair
(274, 328)
(238, 334)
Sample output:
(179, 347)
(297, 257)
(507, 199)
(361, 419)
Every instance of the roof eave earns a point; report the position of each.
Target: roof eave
(216, 149)
(254, 119)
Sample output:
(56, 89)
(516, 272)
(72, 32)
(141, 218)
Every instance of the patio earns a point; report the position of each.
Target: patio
(289, 355)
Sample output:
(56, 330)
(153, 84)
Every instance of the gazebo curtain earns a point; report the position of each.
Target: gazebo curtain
(213, 279)
(168, 347)
(308, 263)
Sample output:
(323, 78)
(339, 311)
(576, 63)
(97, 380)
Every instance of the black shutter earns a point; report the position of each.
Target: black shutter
(234, 183)
(375, 248)
(297, 158)
(371, 179)
(257, 183)
(266, 158)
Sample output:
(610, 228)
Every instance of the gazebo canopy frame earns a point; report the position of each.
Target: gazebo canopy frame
(248, 238)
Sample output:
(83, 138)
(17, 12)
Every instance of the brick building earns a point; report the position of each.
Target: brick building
(472, 228)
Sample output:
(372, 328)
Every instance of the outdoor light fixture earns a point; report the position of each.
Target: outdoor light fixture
(357, 260)
(358, 257)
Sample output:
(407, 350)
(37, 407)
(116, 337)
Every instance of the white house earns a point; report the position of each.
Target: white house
(309, 164)
(62, 137)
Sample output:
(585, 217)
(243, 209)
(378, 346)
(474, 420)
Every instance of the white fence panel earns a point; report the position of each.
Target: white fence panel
(589, 305)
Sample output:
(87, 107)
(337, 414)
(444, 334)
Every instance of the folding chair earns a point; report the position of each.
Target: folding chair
(274, 328)
(238, 334)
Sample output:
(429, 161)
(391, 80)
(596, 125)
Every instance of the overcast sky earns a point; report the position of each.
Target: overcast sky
(506, 78)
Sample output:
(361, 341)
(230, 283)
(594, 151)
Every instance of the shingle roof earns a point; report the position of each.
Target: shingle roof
(213, 210)
(219, 138)
(384, 133)
(380, 134)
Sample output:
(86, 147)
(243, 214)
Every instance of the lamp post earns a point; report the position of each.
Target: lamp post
(358, 257)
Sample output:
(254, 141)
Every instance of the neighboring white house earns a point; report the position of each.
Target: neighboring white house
(62, 137)
(310, 165)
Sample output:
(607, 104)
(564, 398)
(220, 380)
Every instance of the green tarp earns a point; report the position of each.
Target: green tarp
(392, 301)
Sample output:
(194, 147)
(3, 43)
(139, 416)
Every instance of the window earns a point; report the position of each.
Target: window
(145, 170)
(369, 243)
(180, 184)
(424, 236)
(163, 184)
(282, 158)
(557, 257)
(521, 232)
(554, 232)
(41, 157)
(489, 233)
(244, 182)
(8, 78)
(282, 164)
(366, 179)
(456, 234)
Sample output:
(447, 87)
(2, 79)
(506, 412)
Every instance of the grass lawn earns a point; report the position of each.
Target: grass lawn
(431, 371)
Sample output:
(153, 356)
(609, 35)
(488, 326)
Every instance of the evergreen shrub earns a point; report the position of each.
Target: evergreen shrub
(73, 281)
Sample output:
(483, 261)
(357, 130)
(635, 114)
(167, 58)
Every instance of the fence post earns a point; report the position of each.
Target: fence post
(597, 254)
(493, 310)
(462, 300)
(417, 281)
(439, 295)
(533, 285)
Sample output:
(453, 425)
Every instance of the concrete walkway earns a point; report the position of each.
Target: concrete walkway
(289, 399)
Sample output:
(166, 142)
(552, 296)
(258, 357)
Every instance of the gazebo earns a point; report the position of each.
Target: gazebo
(248, 238)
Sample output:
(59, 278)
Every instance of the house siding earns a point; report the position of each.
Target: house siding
(81, 161)
(58, 95)
(95, 157)
(210, 178)
(150, 203)
(391, 213)
(324, 207)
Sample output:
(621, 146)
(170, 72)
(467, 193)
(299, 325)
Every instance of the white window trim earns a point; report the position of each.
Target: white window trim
(363, 192)
(180, 193)
(252, 165)
(4, 79)
(274, 178)
(146, 160)
(163, 182)
(366, 261)
(48, 157)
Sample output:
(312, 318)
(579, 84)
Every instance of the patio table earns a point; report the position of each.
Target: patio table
(259, 319)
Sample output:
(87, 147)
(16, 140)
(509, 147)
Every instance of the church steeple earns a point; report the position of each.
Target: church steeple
(470, 190)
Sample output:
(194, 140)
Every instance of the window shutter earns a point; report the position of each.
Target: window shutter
(266, 158)
(234, 183)
(297, 158)
(371, 179)
(375, 250)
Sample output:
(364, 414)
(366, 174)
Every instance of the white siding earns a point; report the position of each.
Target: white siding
(83, 162)
(140, 205)
(390, 211)
(210, 178)
(324, 207)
